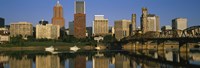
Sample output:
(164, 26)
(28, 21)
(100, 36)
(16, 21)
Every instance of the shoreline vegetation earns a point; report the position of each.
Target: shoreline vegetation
(64, 43)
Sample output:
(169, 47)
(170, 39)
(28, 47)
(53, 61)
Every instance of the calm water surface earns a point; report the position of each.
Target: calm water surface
(100, 59)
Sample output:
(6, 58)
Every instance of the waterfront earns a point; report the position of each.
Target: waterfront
(100, 59)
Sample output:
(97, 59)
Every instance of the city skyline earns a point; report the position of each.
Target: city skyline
(34, 11)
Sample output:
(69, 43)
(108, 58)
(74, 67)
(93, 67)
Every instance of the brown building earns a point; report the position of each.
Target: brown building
(80, 20)
(79, 25)
(58, 15)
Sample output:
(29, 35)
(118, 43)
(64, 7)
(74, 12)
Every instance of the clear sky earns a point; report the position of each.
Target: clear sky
(35, 10)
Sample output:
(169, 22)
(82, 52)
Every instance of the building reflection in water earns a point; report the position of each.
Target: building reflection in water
(23, 62)
(125, 59)
(121, 61)
(49, 61)
(100, 61)
(77, 62)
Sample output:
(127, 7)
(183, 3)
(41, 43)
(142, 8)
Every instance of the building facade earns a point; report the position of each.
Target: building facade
(47, 31)
(21, 28)
(100, 25)
(80, 25)
(122, 29)
(179, 23)
(2, 22)
(58, 18)
(153, 23)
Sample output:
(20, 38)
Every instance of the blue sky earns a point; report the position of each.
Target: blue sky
(35, 10)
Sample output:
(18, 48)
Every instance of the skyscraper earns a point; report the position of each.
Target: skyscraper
(153, 23)
(80, 20)
(58, 15)
(122, 29)
(144, 20)
(100, 25)
(133, 24)
(2, 22)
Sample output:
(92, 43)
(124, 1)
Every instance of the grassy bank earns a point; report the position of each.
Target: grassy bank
(31, 44)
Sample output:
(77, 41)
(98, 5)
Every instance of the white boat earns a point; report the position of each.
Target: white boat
(51, 49)
(98, 48)
(74, 48)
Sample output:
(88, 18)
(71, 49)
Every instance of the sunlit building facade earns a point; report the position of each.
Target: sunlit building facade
(47, 31)
(21, 28)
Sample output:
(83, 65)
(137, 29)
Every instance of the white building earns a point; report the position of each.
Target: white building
(153, 23)
(4, 35)
(179, 24)
(100, 25)
(47, 31)
(21, 28)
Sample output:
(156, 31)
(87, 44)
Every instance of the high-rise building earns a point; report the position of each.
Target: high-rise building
(122, 29)
(179, 23)
(144, 20)
(100, 25)
(80, 6)
(47, 31)
(79, 25)
(22, 28)
(2, 22)
(133, 24)
(58, 15)
(71, 28)
(153, 23)
(80, 20)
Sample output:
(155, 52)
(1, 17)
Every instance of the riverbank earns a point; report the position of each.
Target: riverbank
(40, 46)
